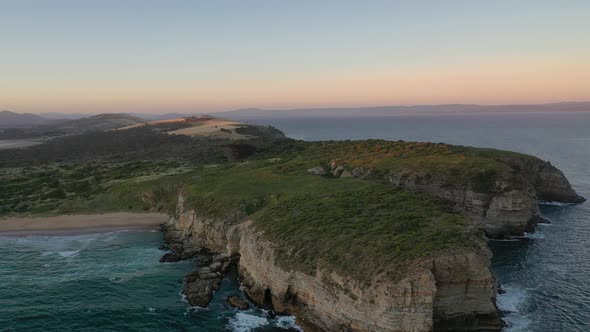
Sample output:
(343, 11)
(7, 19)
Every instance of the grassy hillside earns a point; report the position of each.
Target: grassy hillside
(348, 225)
(362, 231)
(219, 174)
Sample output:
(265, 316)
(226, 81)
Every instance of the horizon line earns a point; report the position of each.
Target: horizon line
(286, 109)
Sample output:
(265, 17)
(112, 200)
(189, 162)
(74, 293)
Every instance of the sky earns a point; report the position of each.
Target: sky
(84, 56)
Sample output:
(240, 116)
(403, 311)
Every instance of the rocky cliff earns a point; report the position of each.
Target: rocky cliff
(448, 291)
(549, 183)
(402, 250)
(451, 291)
(505, 207)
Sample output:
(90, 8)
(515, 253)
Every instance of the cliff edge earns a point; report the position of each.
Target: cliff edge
(347, 236)
(363, 236)
(368, 280)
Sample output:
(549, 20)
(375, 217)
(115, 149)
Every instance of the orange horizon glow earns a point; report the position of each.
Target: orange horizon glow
(210, 57)
(482, 84)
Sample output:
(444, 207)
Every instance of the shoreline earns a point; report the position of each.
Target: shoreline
(77, 224)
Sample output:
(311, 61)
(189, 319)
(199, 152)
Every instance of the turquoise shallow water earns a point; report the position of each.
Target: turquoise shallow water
(109, 282)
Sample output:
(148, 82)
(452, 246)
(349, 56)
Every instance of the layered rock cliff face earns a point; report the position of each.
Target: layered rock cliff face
(500, 213)
(506, 208)
(190, 235)
(448, 290)
(549, 182)
(451, 291)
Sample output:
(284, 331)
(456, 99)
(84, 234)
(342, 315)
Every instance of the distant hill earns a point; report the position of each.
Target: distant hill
(15, 125)
(17, 120)
(63, 116)
(99, 122)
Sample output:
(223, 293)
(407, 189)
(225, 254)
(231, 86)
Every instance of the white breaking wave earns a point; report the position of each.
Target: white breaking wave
(242, 322)
(70, 253)
(536, 235)
(65, 254)
(511, 303)
(555, 203)
(288, 322)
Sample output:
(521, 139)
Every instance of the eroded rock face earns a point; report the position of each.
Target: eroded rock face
(200, 284)
(466, 291)
(510, 208)
(500, 214)
(549, 182)
(446, 292)
(205, 240)
(330, 302)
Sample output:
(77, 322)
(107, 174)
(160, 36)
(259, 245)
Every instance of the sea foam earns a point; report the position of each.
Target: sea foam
(242, 322)
(511, 303)
(288, 323)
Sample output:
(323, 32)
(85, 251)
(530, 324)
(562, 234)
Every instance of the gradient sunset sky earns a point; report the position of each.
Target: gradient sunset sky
(168, 56)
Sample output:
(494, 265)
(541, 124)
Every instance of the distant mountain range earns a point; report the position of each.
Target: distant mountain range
(35, 124)
(99, 122)
(113, 120)
(18, 120)
(257, 113)
(254, 113)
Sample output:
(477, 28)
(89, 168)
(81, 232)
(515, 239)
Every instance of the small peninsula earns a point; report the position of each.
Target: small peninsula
(366, 235)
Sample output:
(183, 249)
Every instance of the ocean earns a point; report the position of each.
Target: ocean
(110, 282)
(114, 282)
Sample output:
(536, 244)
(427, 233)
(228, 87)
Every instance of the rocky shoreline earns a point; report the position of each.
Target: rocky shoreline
(449, 291)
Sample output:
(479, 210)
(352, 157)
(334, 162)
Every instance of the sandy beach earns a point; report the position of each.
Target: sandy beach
(81, 224)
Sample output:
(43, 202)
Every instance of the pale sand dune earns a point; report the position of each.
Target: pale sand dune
(206, 128)
(212, 128)
(137, 125)
(80, 224)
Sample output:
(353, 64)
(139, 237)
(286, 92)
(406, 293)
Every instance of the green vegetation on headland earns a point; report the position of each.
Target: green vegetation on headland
(362, 232)
(349, 225)
(353, 226)
(238, 174)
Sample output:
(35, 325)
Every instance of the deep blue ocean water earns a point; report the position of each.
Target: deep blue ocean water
(546, 276)
(114, 282)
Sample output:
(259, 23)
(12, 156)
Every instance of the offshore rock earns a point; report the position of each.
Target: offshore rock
(199, 288)
(170, 257)
(200, 285)
(238, 302)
